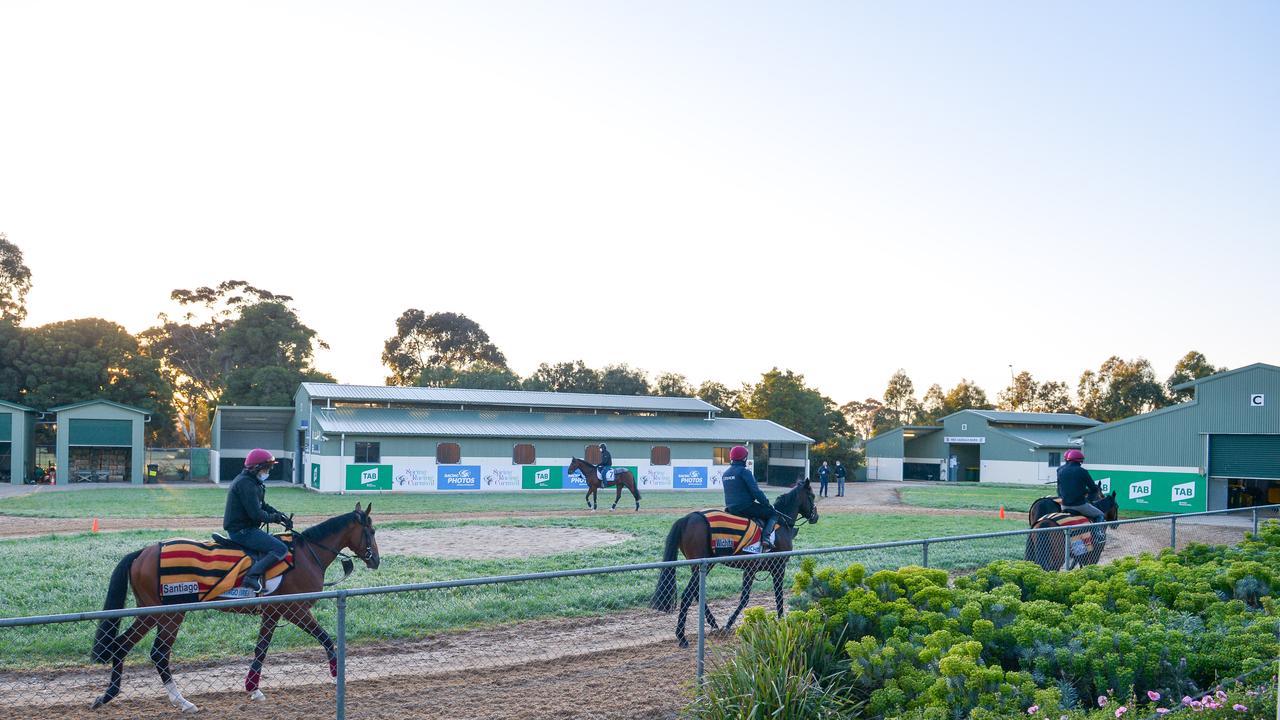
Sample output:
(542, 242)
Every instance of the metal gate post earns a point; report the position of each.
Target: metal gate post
(702, 618)
(925, 553)
(341, 700)
(1066, 549)
(1173, 532)
(1255, 532)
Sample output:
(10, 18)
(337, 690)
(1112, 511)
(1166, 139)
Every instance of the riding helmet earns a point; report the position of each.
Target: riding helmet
(738, 452)
(259, 457)
(1073, 455)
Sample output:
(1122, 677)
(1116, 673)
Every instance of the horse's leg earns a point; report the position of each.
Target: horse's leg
(138, 629)
(308, 624)
(588, 496)
(617, 495)
(686, 598)
(634, 493)
(748, 577)
(161, 649)
(252, 679)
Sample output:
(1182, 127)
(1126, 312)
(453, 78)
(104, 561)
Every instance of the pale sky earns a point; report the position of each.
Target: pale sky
(837, 188)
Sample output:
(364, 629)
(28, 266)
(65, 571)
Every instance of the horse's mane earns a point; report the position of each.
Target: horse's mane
(328, 527)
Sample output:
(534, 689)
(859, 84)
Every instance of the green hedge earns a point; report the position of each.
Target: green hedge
(1013, 640)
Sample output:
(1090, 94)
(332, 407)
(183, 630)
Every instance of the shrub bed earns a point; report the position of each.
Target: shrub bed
(1011, 640)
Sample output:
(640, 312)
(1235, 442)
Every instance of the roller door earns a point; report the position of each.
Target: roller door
(1245, 456)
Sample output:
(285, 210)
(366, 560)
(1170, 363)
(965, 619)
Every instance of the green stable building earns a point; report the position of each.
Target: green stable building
(359, 438)
(17, 442)
(1219, 450)
(977, 446)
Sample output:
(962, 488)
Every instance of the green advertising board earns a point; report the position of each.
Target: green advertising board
(315, 475)
(1155, 491)
(368, 477)
(542, 477)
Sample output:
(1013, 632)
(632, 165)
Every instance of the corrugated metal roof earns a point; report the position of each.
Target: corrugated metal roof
(1034, 418)
(518, 398)
(16, 406)
(112, 403)
(1042, 437)
(465, 423)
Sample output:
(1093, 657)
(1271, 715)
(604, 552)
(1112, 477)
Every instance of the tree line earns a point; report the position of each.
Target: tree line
(1119, 388)
(237, 344)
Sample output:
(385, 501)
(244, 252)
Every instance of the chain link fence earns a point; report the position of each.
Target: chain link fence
(599, 642)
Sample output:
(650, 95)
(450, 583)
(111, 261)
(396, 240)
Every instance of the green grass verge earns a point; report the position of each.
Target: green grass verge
(162, 501)
(1014, 498)
(70, 574)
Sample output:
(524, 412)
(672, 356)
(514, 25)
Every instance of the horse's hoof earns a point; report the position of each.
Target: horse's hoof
(684, 643)
(257, 695)
(97, 704)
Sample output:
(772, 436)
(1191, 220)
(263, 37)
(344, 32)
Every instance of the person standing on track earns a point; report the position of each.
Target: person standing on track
(841, 474)
(824, 475)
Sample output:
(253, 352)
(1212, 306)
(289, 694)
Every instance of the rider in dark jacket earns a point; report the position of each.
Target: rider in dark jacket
(1077, 490)
(606, 464)
(247, 510)
(742, 496)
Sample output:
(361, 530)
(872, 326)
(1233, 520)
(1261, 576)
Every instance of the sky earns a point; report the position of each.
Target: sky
(710, 188)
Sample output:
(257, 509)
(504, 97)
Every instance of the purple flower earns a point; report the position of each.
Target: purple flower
(1033, 709)
(1196, 705)
(1161, 711)
(1121, 710)
(1153, 696)
(1186, 699)
(1220, 695)
(1102, 701)
(1239, 708)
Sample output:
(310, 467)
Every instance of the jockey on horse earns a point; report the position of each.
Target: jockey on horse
(742, 496)
(247, 510)
(1077, 490)
(605, 469)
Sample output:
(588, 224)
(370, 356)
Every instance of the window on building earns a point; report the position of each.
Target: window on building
(720, 456)
(524, 454)
(1055, 459)
(448, 453)
(592, 454)
(659, 455)
(368, 453)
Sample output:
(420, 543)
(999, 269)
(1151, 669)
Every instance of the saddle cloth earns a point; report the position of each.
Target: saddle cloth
(732, 534)
(194, 571)
(606, 475)
(1081, 540)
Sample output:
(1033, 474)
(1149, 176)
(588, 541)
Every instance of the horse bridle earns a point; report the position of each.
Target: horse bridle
(348, 561)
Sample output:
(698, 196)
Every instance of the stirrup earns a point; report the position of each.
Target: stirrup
(254, 583)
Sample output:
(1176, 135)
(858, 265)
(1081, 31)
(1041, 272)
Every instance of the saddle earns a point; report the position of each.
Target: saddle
(732, 534)
(1081, 539)
(194, 571)
(606, 475)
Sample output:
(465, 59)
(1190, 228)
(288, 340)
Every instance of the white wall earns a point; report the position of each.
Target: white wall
(1024, 472)
(884, 468)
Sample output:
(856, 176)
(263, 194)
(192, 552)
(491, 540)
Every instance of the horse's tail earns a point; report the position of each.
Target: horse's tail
(664, 597)
(104, 641)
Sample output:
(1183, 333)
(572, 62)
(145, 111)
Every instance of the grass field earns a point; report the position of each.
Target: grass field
(70, 573)
(162, 501)
(1014, 498)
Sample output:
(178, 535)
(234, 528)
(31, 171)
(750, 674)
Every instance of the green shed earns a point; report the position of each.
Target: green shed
(17, 442)
(101, 441)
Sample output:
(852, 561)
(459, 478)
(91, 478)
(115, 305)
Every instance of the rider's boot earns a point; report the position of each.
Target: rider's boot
(766, 534)
(253, 583)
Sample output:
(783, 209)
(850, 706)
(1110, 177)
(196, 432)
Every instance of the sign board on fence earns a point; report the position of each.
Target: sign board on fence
(1155, 491)
(368, 477)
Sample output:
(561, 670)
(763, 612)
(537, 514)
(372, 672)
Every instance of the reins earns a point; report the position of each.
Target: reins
(348, 561)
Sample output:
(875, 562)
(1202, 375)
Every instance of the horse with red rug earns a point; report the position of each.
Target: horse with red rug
(715, 533)
(181, 571)
(1085, 544)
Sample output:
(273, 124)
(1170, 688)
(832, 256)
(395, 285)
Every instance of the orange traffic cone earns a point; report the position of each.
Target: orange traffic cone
(95, 524)
(1001, 512)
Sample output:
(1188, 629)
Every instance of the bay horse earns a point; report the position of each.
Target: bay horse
(691, 534)
(622, 478)
(1048, 549)
(314, 549)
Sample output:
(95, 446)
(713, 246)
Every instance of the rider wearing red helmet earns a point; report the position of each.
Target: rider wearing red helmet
(743, 497)
(247, 511)
(1077, 490)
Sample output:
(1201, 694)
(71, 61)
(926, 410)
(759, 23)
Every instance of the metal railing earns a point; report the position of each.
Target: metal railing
(469, 643)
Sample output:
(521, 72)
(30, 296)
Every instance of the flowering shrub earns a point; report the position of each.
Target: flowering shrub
(1013, 640)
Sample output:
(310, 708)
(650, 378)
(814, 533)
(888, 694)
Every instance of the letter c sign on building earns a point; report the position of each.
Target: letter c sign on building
(1257, 400)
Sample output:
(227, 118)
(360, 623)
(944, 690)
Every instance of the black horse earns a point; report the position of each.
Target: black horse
(1048, 549)
(691, 534)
